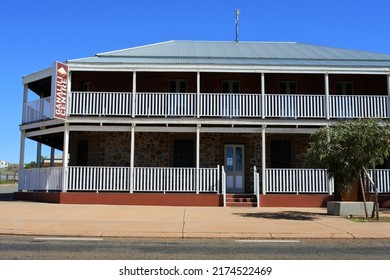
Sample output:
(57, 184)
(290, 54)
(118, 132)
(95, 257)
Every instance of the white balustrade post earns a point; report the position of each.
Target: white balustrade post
(256, 186)
(217, 181)
(224, 186)
(330, 185)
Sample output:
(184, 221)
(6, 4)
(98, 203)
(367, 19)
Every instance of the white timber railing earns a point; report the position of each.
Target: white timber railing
(382, 178)
(100, 103)
(358, 106)
(165, 104)
(166, 179)
(41, 179)
(230, 105)
(117, 179)
(225, 105)
(281, 180)
(37, 110)
(98, 178)
(294, 106)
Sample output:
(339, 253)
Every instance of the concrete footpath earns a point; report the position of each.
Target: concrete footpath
(29, 218)
(45, 219)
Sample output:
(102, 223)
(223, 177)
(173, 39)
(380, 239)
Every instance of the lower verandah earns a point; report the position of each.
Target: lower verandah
(165, 163)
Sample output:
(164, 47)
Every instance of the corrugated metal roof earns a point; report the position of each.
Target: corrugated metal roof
(239, 53)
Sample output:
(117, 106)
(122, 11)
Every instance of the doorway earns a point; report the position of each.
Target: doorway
(235, 168)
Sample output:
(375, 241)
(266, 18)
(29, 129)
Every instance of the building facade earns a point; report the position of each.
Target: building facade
(196, 123)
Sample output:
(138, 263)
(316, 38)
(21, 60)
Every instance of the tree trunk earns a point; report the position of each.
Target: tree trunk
(364, 195)
(375, 211)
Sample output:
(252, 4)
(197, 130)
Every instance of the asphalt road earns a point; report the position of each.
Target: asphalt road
(42, 248)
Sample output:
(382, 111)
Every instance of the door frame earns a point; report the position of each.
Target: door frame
(235, 173)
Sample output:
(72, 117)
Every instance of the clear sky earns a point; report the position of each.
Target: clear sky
(36, 33)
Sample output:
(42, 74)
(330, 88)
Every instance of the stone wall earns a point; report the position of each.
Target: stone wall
(299, 144)
(157, 149)
(104, 148)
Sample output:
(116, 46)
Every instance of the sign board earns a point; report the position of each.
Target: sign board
(59, 89)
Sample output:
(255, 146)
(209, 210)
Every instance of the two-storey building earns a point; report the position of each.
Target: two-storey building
(196, 122)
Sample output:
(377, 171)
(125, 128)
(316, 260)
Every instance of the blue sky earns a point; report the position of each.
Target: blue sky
(36, 33)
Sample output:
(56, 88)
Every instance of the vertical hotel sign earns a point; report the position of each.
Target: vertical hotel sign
(59, 89)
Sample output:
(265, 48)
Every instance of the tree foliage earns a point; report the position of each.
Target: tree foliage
(347, 147)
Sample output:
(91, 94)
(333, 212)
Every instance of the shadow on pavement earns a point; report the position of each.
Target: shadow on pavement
(285, 215)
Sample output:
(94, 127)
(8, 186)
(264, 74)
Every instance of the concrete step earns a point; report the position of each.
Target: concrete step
(241, 200)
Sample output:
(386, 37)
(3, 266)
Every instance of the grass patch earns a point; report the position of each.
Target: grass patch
(383, 219)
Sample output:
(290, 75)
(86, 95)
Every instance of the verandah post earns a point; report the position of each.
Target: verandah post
(388, 96)
(65, 158)
(327, 99)
(133, 94)
(263, 160)
(197, 158)
(132, 135)
(21, 159)
(198, 94)
(263, 95)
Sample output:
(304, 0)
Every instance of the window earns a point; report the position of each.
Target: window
(288, 87)
(82, 153)
(230, 86)
(280, 154)
(177, 85)
(86, 86)
(344, 88)
(183, 153)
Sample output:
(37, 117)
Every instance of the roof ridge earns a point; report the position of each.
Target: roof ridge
(135, 48)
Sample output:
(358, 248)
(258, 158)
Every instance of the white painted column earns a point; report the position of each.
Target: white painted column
(198, 94)
(52, 154)
(65, 158)
(197, 158)
(388, 95)
(25, 98)
(132, 142)
(21, 158)
(68, 94)
(134, 93)
(263, 95)
(263, 160)
(327, 99)
(39, 154)
(22, 137)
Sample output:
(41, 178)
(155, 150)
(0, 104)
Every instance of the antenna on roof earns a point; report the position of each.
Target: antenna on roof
(237, 13)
